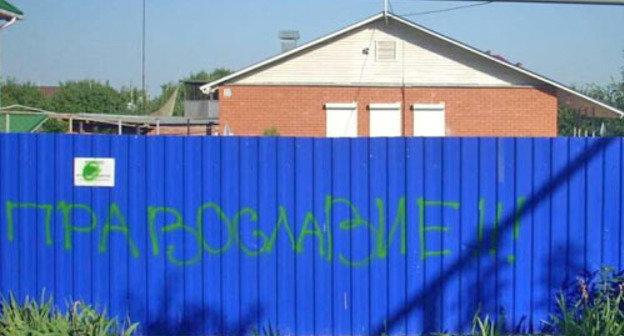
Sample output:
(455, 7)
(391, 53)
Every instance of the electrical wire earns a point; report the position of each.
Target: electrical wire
(144, 107)
(447, 9)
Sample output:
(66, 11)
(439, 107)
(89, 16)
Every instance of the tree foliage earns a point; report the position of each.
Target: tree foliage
(271, 131)
(87, 96)
(611, 94)
(572, 123)
(168, 89)
(91, 96)
(209, 76)
(27, 94)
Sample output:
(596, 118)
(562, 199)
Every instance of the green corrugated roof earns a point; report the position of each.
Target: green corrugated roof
(4, 5)
(22, 123)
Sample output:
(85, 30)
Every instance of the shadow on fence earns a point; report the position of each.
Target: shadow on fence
(197, 319)
(425, 300)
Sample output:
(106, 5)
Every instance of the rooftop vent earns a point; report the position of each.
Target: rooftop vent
(289, 39)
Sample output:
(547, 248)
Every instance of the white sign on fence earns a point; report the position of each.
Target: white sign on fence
(94, 172)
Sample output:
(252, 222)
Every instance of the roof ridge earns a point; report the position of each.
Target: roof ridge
(423, 29)
(11, 9)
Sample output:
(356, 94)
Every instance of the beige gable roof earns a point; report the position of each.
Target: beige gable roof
(440, 61)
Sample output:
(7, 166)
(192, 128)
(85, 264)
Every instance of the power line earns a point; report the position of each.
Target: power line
(447, 9)
(573, 2)
(143, 63)
(390, 4)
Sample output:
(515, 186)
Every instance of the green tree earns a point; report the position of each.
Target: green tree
(26, 94)
(209, 76)
(29, 94)
(133, 101)
(55, 126)
(168, 89)
(612, 94)
(88, 96)
(271, 131)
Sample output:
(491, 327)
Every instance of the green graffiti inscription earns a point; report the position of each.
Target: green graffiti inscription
(352, 222)
(424, 228)
(315, 232)
(385, 232)
(67, 210)
(122, 227)
(48, 208)
(177, 225)
(223, 218)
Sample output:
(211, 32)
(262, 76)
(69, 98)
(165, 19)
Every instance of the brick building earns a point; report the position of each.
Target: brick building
(386, 76)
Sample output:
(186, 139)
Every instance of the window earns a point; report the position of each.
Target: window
(429, 120)
(341, 119)
(386, 50)
(385, 120)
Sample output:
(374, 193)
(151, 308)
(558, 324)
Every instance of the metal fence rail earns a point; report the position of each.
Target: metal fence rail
(222, 235)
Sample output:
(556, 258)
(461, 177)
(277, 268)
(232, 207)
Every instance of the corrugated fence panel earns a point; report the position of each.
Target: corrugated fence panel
(137, 237)
(468, 229)
(360, 236)
(304, 188)
(310, 236)
(378, 201)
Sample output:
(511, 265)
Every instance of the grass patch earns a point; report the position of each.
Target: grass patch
(34, 317)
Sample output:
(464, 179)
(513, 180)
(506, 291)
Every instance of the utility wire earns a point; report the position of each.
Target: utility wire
(143, 62)
(448, 9)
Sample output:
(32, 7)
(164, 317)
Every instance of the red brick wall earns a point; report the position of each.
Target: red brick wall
(299, 110)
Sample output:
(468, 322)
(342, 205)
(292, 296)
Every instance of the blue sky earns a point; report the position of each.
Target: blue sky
(77, 39)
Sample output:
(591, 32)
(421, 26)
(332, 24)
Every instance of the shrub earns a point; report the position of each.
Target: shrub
(54, 126)
(41, 318)
(486, 327)
(267, 331)
(271, 131)
(594, 307)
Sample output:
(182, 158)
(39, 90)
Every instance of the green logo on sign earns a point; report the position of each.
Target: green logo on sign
(91, 171)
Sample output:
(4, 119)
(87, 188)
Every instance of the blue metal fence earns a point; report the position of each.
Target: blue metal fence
(223, 235)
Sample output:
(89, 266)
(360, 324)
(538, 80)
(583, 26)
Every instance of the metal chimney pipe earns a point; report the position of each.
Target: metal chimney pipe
(288, 39)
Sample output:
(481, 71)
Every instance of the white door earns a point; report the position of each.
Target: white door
(341, 120)
(385, 120)
(429, 120)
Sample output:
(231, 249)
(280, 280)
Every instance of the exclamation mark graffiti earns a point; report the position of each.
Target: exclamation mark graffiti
(516, 226)
(495, 240)
(480, 226)
(499, 214)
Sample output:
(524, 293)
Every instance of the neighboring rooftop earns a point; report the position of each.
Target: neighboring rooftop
(8, 11)
(28, 119)
(48, 91)
(566, 95)
(21, 123)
